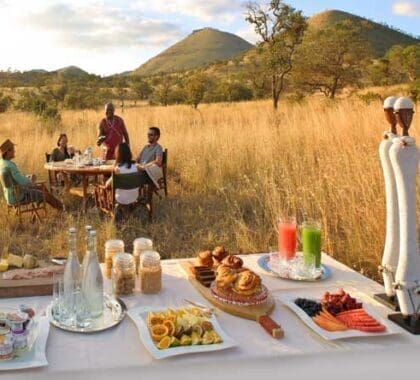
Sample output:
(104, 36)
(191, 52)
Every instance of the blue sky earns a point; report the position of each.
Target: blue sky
(110, 36)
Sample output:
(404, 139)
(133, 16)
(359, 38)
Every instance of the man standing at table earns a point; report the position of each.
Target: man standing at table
(112, 132)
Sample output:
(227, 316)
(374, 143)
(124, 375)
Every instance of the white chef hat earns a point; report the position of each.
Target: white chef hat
(389, 102)
(403, 103)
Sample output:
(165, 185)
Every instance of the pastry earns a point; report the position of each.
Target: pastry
(225, 278)
(232, 261)
(219, 253)
(247, 283)
(205, 259)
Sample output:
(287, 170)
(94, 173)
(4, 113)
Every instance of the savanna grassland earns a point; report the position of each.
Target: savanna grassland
(233, 168)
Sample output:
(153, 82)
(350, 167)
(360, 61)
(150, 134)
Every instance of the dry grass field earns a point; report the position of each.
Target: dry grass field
(233, 168)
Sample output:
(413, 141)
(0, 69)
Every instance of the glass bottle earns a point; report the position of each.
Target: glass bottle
(88, 229)
(92, 284)
(72, 275)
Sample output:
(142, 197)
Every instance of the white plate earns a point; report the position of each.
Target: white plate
(316, 295)
(36, 356)
(139, 317)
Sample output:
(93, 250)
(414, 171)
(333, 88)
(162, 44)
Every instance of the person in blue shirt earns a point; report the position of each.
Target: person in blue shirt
(30, 191)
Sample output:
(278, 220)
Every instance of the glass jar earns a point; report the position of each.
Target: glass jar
(112, 247)
(150, 272)
(140, 245)
(20, 340)
(6, 344)
(123, 274)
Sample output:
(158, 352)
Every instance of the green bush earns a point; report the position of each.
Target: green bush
(5, 103)
(370, 97)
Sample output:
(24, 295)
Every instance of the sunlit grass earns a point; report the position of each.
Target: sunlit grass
(233, 168)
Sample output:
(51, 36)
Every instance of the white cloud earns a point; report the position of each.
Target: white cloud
(98, 27)
(249, 34)
(208, 10)
(407, 8)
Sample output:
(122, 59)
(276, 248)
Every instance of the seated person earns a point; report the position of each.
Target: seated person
(150, 158)
(31, 191)
(62, 152)
(124, 165)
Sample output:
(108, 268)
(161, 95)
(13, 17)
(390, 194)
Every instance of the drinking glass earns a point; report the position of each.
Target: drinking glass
(311, 242)
(82, 310)
(57, 295)
(287, 237)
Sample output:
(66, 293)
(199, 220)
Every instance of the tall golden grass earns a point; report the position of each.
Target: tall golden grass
(233, 169)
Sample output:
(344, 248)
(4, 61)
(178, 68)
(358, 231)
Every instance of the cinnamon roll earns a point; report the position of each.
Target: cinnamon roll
(247, 283)
(226, 276)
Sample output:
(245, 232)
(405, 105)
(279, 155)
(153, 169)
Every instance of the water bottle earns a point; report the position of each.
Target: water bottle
(89, 153)
(72, 276)
(88, 229)
(92, 284)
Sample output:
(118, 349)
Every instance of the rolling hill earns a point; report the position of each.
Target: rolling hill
(200, 48)
(381, 37)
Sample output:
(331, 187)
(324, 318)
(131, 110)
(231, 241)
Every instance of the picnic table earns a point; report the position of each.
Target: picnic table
(84, 172)
(120, 354)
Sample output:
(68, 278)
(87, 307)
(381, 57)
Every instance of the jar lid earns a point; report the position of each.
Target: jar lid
(122, 260)
(143, 244)
(149, 259)
(114, 244)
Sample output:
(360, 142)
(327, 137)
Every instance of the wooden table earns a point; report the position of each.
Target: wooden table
(84, 172)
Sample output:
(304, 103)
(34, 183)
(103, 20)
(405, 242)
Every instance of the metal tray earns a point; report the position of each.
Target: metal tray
(263, 263)
(115, 311)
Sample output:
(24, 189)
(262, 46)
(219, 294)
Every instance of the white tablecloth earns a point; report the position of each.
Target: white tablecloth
(120, 354)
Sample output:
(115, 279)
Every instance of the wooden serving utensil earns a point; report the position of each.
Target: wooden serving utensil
(259, 313)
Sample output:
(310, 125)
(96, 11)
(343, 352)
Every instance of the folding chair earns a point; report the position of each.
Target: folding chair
(26, 202)
(105, 198)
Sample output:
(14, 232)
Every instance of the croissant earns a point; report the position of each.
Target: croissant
(226, 276)
(247, 283)
(232, 261)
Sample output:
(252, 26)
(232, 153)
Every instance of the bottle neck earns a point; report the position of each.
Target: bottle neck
(91, 246)
(72, 245)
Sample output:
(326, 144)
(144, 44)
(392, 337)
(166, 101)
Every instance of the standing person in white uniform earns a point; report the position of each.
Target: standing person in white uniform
(124, 165)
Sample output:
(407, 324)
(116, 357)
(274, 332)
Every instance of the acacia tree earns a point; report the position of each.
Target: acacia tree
(405, 61)
(281, 30)
(196, 87)
(332, 58)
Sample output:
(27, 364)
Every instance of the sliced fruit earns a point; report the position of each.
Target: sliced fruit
(216, 337)
(155, 320)
(164, 343)
(170, 325)
(198, 330)
(175, 342)
(207, 338)
(207, 326)
(195, 338)
(185, 340)
(158, 332)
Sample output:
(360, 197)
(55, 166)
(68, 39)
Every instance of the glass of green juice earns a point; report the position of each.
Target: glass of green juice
(311, 243)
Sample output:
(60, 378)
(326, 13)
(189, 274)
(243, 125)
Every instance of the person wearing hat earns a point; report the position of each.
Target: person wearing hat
(31, 192)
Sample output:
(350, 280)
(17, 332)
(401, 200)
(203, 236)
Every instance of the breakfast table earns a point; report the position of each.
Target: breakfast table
(84, 172)
(119, 353)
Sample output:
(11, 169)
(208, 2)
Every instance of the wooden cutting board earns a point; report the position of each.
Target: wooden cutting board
(26, 288)
(247, 312)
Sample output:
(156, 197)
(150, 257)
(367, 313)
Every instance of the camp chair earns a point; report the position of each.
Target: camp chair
(30, 206)
(162, 181)
(105, 199)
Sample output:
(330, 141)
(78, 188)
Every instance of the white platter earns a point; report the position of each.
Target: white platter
(139, 317)
(316, 294)
(36, 356)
